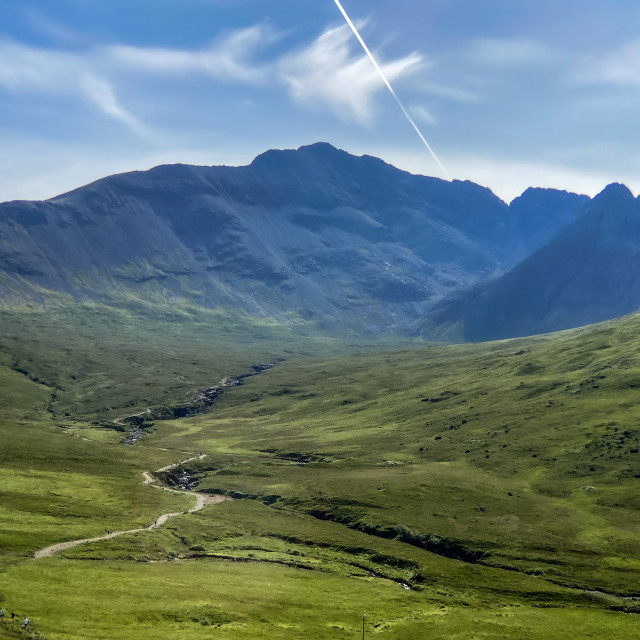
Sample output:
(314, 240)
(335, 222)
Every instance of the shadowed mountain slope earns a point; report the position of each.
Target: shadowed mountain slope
(314, 234)
(589, 272)
(539, 214)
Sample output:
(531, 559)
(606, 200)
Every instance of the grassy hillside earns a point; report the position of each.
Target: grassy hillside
(98, 361)
(483, 491)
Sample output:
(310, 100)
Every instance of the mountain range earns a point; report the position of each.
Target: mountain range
(588, 272)
(322, 236)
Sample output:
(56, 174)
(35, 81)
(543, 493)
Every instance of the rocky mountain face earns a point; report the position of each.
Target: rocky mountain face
(587, 273)
(538, 214)
(349, 242)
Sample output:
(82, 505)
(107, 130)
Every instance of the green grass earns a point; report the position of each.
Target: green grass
(55, 487)
(360, 472)
(537, 469)
(101, 362)
(248, 600)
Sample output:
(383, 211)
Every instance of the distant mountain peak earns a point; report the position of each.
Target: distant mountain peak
(316, 151)
(540, 193)
(587, 272)
(321, 147)
(315, 232)
(319, 155)
(615, 191)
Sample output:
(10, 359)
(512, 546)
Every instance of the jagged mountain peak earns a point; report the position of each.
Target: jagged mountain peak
(588, 272)
(542, 194)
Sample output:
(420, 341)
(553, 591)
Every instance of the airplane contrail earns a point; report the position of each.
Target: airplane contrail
(388, 85)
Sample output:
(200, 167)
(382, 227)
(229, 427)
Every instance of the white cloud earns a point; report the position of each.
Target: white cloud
(99, 91)
(24, 68)
(420, 113)
(328, 74)
(90, 73)
(228, 58)
(30, 70)
(620, 66)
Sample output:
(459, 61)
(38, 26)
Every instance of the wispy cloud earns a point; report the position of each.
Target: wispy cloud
(420, 113)
(24, 68)
(90, 73)
(30, 70)
(619, 66)
(227, 58)
(328, 74)
(101, 94)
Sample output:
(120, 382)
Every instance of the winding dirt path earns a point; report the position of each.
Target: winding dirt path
(202, 500)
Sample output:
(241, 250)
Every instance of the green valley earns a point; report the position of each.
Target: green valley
(445, 491)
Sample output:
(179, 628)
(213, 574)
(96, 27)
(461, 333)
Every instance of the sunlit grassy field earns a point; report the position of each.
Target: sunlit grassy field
(486, 491)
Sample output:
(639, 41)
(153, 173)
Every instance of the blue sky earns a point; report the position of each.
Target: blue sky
(509, 93)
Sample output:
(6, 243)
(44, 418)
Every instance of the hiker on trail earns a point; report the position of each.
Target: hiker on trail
(13, 615)
(25, 622)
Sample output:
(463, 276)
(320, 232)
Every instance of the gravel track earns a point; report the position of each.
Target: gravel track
(202, 500)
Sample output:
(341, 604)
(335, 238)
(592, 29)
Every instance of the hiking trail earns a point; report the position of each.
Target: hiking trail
(202, 500)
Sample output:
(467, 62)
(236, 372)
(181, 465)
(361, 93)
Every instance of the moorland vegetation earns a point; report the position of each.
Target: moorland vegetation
(447, 491)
